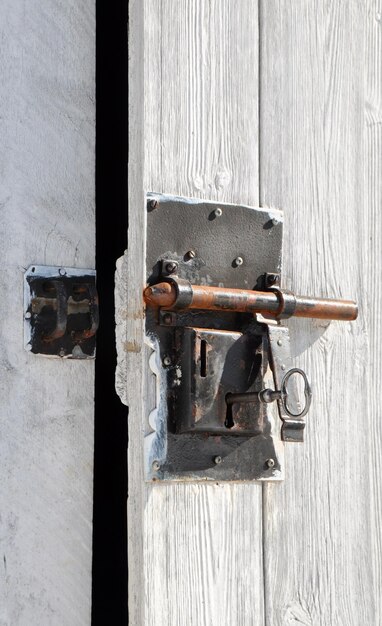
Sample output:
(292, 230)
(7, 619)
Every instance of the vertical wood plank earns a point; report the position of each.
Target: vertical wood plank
(319, 541)
(195, 551)
(201, 102)
(46, 217)
(373, 302)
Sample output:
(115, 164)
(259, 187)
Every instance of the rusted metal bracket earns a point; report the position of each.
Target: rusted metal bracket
(214, 311)
(61, 312)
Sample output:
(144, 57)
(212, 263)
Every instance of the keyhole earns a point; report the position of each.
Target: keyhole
(229, 423)
(203, 358)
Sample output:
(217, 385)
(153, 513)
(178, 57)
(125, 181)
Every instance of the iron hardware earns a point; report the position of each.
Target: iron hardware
(275, 303)
(214, 315)
(281, 395)
(61, 312)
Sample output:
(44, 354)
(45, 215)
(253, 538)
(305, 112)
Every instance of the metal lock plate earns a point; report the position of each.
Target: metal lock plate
(215, 363)
(60, 311)
(219, 244)
(214, 306)
(201, 356)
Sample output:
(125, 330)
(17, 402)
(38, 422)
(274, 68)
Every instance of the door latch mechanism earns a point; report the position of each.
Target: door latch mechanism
(214, 315)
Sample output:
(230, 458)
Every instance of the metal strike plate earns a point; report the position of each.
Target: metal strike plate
(198, 357)
(60, 311)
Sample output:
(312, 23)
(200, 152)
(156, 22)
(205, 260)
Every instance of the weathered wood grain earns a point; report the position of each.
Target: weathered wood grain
(322, 542)
(195, 551)
(372, 295)
(46, 217)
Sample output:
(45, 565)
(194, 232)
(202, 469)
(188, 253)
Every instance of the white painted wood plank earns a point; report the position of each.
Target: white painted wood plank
(201, 99)
(46, 217)
(319, 540)
(373, 304)
(195, 551)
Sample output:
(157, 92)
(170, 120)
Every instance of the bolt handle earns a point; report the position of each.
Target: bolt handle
(281, 395)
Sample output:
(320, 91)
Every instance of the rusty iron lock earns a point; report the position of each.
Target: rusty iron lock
(179, 294)
(214, 314)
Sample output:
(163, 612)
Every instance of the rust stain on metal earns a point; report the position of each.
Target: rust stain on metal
(244, 301)
(161, 295)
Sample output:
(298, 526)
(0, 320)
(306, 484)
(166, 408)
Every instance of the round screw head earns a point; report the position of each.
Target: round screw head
(217, 460)
(271, 279)
(238, 261)
(279, 342)
(28, 315)
(166, 361)
(171, 267)
(167, 318)
(218, 212)
(191, 254)
(156, 466)
(275, 221)
(153, 204)
(270, 463)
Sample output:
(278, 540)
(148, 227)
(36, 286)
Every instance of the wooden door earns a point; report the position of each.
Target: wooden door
(274, 103)
(46, 218)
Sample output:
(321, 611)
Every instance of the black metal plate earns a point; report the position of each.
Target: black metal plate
(217, 234)
(215, 363)
(60, 312)
(178, 225)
